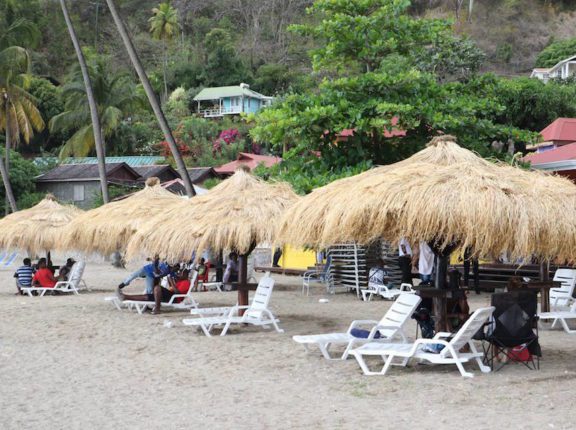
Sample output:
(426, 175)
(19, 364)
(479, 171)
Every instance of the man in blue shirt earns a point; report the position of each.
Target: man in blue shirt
(156, 269)
(24, 275)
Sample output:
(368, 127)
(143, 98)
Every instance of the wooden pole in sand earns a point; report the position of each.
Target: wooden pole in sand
(243, 281)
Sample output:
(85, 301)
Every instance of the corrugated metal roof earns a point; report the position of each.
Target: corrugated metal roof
(131, 160)
(77, 172)
(232, 91)
(561, 129)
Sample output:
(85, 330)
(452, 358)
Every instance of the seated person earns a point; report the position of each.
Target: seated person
(161, 294)
(64, 271)
(24, 275)
(43, 278)
(231, 273)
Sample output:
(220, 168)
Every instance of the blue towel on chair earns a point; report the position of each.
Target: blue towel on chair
(363, 334)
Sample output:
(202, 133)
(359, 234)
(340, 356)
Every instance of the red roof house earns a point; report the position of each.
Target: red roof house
(561, 132)
(247, 159)
(562, 153)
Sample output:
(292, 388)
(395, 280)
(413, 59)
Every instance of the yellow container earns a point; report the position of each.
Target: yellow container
(297, 258)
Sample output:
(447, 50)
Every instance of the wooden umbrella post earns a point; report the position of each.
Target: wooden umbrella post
(243, 281)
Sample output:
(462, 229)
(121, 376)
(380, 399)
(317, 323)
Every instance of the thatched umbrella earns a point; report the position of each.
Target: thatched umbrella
(237, 214)
(444, 195)
(38, 229)
(108, 228)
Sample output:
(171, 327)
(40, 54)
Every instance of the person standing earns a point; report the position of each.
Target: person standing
(405, 261)
(425, 262)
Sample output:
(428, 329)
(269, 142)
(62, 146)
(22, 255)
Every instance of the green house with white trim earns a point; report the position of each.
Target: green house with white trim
(232, 100)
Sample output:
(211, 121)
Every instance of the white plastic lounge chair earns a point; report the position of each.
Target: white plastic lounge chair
(560, 316)
(561, 298)
(322, 277)
(390, 326)
(449, 355)
(384, 291)
(74, 284)
(177, 301)
(257, 313)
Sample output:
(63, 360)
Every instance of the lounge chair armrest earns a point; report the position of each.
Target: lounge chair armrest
(60, 283)
(356, 323)
(441, 334)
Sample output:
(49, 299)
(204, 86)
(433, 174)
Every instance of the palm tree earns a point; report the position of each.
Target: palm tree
(152, 98)
(163, 26)
(19, 116)
(115, 98)
(94, 116)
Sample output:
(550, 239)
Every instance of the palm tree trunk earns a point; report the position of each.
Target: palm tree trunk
(4, 170)
(152, 98)
(164, 72)
(96, 129)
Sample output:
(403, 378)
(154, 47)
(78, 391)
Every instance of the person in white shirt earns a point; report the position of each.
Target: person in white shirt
(405, 260)
(425, 262)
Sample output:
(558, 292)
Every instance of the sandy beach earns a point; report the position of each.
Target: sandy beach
(75, 362)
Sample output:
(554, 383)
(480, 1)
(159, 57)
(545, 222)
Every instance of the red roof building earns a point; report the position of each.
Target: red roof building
(561, 132)
(247, 159)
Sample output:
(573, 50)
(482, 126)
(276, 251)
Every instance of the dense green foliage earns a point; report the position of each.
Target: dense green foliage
(555, 52)
(382, 86)
(22, 173)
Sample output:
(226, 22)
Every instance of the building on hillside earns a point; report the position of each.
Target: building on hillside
(131, 160)
(219, 101)
(560, 132)
(561, 160)
(247, 159)
(563, 69)
(164, 172)
(198, 175)
(80, 184)
(177, 186)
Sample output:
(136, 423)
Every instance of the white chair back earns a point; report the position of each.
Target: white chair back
(469, 329)
(261, 298)
(399, 313)
(76, 273)
(563, 294)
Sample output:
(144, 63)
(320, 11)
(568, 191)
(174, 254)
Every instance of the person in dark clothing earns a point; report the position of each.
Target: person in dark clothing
(277, 256)
(405, 261)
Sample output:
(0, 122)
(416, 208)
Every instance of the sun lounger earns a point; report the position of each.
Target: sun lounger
(257, 313)
(389, 327)
(560, 316)
(450, 354)
(561, 298)
(74, 284)
(177, 301)
(384, 291)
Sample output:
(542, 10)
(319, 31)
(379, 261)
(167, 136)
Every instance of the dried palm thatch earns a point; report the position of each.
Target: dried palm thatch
(108, 228)
(236, 214)
(39, 228)
(444, 194)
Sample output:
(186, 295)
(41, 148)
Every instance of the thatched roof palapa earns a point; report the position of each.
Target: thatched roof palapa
(236, 214)
(39, 228)
(108, 228)
(446, 194)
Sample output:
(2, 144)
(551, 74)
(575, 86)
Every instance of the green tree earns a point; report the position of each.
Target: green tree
(22, 175)
(116, 98)
(163, 26)
(19, 116)
(555, 52)
(222, 67)
(372, 52)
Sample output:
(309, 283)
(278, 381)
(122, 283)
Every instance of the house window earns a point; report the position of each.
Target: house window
(235, 101)
(78, 193)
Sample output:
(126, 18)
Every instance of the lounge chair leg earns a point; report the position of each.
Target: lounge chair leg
(463, 371)
(277, 327)
(364, 366)
(349, 348)
(482, 366)
(565, 326)
(387, 365)
(324, 349)
(225, 329)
